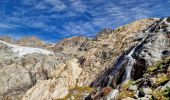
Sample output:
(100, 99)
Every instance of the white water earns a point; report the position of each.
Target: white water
(129, 66)
(22, 50)
(113, 95)
(131, 61)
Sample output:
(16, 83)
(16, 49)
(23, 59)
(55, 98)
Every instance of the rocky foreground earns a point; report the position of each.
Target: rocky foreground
(129, 63)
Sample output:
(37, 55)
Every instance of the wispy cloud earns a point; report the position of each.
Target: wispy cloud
(7, 26)
(79, 28)
(78, 5)
(57, 5)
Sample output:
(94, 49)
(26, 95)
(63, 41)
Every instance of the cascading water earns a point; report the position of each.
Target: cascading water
(129, 66)
(129, 61)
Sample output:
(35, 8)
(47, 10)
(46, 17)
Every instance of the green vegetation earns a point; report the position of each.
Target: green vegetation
(78, 93)
(158, 95)
(155, 67)
(125, 94)
(158, 66)
(119, 29)
(161, 78)
(126, 85)
(161, 95)
(168, 19)
(167, 92)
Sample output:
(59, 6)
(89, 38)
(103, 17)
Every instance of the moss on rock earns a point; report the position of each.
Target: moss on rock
(78, 93)
(125, 94)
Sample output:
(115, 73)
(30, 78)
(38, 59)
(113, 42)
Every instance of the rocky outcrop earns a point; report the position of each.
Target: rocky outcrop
(64, 78)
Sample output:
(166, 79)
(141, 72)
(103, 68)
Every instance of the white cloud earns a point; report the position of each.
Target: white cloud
(127, 2)
(74, 28)
(7, 26)
(58, 5)
(37, 24)
(64, 15)
(79, 28)
(51, 5)
(78, 5)
(40, 6)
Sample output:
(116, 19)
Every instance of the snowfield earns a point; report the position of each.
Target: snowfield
(22, 50)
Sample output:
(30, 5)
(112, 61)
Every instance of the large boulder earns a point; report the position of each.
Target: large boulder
(64, 78)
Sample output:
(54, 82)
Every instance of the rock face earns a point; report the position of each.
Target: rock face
(102, 52)
(64, 78)
(128, 63)
(152, 46)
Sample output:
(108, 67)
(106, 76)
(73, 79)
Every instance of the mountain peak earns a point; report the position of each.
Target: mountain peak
(31, 41)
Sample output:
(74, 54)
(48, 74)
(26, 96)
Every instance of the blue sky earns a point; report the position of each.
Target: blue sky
(53, 20)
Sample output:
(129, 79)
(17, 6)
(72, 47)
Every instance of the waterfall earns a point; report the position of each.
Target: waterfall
(129, 61)
(129, 66)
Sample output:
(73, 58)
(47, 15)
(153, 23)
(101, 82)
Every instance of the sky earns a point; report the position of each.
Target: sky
(53, 20)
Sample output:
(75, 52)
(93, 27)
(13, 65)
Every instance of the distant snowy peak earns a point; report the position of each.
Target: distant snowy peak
(22, 50)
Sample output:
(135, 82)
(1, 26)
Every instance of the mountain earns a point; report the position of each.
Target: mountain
(128, 63)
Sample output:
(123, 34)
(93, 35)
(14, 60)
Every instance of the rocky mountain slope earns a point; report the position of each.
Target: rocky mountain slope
(129, 63)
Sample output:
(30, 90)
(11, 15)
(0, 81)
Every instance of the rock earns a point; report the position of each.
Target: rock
(60, 92)
(30, 42)
(12, 78)
(46, 90)
(6, 39)
(141, 94)
(133, 87)
(147, 91)
(128, 98)
(168, 69)
(70, 70)
(167, 85)
(147, 97)
(64, 78)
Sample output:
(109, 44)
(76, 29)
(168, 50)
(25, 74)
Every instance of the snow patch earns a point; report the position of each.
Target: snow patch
(22, 50)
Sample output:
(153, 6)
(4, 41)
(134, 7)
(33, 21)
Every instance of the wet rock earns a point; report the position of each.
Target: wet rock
(141, 94)
(113, 94)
